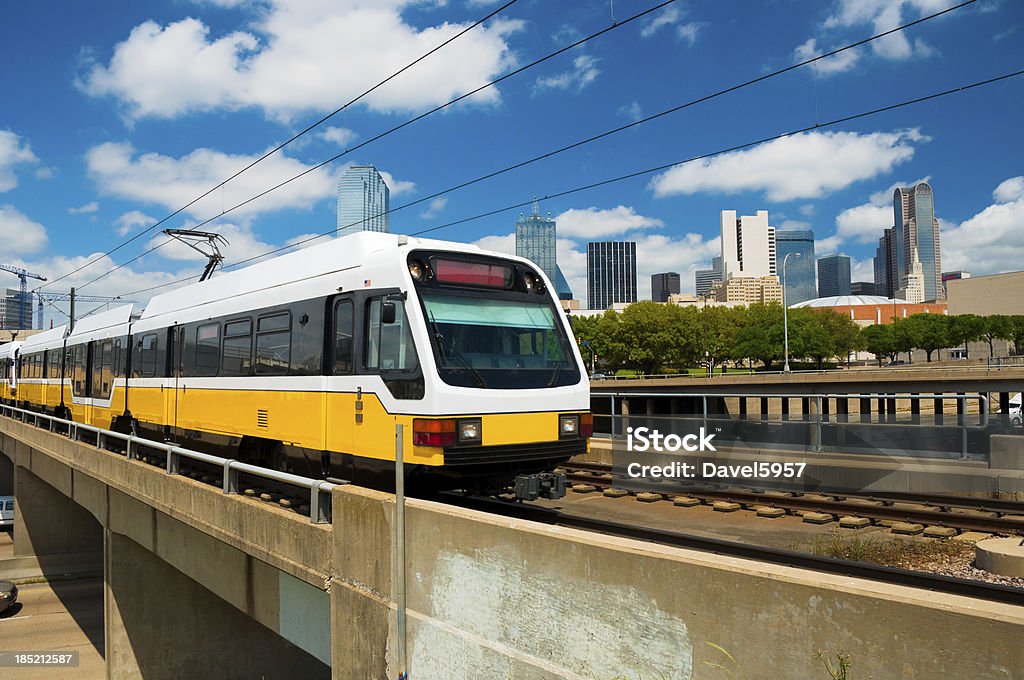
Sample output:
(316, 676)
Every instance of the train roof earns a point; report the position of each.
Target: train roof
(53, 337)
(108, 324)
(9, 348)
(347, 252)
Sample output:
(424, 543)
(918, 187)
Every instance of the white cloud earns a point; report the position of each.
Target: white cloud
(499, 244)
(793, 225)
(45, 173)
(880, 16)
(807, 210)
(837, 63)
(672, 16)
(827, 246)
(89, 207)
(991, 241)
(1009, 190)
(19, 234)
(131, 220)
(584, 71)
(632, 111)
(172, 182)
(298, 55)
(13, 152)
(806, 165)
(338, 135)
(434, 208)
(397, 187)
(593, 223)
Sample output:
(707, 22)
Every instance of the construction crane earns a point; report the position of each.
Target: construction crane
(25, 306)
(64, 297)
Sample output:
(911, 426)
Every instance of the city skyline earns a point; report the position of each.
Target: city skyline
(223, 83)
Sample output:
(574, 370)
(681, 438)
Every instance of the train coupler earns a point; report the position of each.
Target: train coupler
(541, 485)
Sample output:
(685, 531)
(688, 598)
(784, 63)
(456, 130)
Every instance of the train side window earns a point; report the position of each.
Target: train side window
(237, 354)
(79, 363)
(144, 361)
(389, 346)
(343, 321)
(273, 344)
(207, 349)
(102, 369)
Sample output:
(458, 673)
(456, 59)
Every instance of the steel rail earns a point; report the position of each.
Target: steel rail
(789, 558)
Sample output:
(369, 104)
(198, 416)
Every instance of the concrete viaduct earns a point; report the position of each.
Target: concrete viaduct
(199, 583)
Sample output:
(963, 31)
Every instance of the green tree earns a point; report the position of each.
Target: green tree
(996, 326)
(808, 337)
(929, 332)
(965, 329)
(1016, 333)
(902, 338)
(759, 336)
(716, 335)
(879, 340)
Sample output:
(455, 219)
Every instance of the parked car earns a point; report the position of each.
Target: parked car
(6, 511)
(1016, 418)
(599, 376)
(8, 595)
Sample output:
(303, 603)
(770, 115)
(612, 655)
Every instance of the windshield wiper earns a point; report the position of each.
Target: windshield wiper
(453, 353)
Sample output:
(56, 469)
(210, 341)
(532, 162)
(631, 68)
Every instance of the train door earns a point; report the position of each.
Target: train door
(340, 403)
(175, 391)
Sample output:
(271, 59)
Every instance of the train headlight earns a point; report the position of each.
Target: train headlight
(568, 426)
(419, 271)
(470, 431)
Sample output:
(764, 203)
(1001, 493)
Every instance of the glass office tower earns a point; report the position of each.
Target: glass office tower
(800, 278)
(363, 201)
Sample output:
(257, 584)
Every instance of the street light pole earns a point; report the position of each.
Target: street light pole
(785, 315)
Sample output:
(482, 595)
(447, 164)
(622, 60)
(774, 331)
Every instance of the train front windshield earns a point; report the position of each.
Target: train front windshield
(498, 343)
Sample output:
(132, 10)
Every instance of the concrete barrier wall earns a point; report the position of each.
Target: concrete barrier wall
(499, 598)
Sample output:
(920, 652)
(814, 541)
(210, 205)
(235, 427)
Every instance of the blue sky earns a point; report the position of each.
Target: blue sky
(115, 114)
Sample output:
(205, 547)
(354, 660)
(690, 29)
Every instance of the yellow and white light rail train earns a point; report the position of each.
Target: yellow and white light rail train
(308, 361)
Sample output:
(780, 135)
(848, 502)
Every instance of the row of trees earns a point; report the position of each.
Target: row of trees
(649, 337)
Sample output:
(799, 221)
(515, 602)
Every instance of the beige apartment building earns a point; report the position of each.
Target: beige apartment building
(750, 290)
(987, 295)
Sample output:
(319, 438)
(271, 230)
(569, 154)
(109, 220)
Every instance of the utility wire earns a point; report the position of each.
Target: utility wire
(415, 119)
(576, 144)
(291, 139)
(646, 171)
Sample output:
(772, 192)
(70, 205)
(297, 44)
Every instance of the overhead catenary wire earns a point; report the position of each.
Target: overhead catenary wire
(646, 171)
(396, 128)
(291, 139)
(562, 149)
(586, 140)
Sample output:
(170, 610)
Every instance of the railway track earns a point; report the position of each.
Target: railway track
(790, 558)
(964, 514)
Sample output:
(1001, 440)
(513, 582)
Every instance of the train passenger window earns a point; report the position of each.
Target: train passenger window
(237, 354)
(79, 363)
(273, 344)
(207, 349)
(144, 358)
(102, 369)
(343, 320)
(389, 347)
(55, 357)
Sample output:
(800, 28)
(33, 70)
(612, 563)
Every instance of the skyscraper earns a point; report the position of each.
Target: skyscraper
(705, 279)
(916, 228)
(363, 201)
(886, 271)
(833, 275)
(611, 273)
(536, 241)
(13, 309)
(663, 285)
(748, 245)
(800, 281)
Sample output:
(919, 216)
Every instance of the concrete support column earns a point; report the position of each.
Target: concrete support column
(159, 623)
(624, 420)
(814, 417)
(938, 406)
(47, 521)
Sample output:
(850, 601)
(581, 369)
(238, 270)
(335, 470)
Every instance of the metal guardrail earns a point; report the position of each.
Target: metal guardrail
(320, 490)
(815, 419)
(993, 364)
